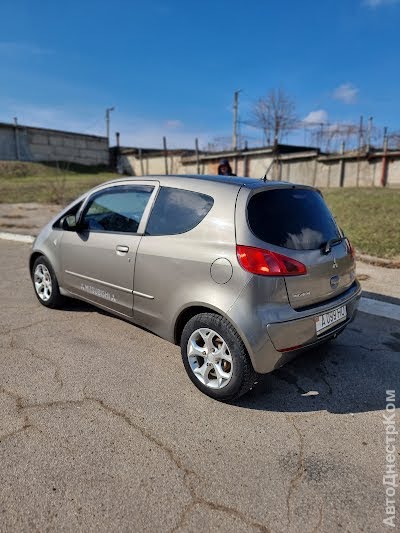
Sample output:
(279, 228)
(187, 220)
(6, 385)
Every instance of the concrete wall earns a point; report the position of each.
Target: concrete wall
(319, 171)
(394, 170)
(309, 169)
(155, 164)
(38, 144)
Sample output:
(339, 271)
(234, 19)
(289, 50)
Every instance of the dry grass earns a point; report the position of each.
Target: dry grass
(370, 217)
(58, 183)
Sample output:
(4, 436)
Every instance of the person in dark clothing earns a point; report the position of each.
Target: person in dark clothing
(224, 168)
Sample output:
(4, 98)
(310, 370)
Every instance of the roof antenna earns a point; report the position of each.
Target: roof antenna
(265, 178)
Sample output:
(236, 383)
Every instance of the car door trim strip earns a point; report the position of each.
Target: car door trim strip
(148, 296)
(136, 293)
(124, 289)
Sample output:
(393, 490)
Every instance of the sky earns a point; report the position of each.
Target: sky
(171, 67)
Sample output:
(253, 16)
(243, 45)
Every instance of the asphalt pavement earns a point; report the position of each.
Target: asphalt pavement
(101, 429)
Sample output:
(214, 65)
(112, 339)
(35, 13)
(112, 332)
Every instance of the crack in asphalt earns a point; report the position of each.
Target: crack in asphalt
(19, 406)
(175, 459)
(296, 479)
(26, 326)
(16, 397)
(320, 517)
(35, 355)
(11, 434)
(231, 511)
(323, 372)
(57, 369)
(38, 322)
(372, 349)
(284, 375)
(368, 348)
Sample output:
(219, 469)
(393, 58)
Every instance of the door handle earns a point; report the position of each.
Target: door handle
(122, 249)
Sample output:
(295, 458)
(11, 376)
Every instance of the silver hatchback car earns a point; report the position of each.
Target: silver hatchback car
(243, 274)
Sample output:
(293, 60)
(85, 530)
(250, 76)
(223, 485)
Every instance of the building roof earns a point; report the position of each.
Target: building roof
(153, 152)
(49, 130)
(189, 155)
(260, 150)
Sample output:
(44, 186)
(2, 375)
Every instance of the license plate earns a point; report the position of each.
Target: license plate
(329, 319)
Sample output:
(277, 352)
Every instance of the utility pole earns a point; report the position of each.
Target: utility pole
(116, 159)
(369, 134)
(235, 119)
(108, 111)
(196, 143)
(361, 134)
(342, 169)
(165, 155)
(360, 147)
(17, 150)
(141, 161)
(384, 158)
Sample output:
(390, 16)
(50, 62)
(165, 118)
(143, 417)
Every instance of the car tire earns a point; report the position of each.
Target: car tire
(215, 358)
(45, 283)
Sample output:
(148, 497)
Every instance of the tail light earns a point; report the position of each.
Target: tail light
(267, 263)
(350, 249)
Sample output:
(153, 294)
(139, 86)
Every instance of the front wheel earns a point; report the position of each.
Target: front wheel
(45, 283)
(215, 357)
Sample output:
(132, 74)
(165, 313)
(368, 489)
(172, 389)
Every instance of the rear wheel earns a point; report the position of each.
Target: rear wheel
(45, 283)
(215, 357)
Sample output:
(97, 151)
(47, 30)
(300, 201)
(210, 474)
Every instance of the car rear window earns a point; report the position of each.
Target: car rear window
(177, 211)
(298, 219)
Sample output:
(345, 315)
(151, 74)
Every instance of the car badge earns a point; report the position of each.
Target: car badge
(334, 281)
(335, 265)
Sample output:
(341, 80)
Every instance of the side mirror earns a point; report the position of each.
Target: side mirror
(69, 223)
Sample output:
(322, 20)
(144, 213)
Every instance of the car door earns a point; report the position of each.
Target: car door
(98, 259)
(170, 259)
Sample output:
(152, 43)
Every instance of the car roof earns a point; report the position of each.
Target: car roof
(250, 183)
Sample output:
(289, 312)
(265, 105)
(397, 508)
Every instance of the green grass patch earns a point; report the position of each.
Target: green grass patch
(48, 183)
(370, 217)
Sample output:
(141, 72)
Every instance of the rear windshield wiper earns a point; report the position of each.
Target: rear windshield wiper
(332, 242)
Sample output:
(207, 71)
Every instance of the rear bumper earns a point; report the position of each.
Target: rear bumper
(282, 341)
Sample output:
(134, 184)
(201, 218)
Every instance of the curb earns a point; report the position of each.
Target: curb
(5, 235)
(377, 261)
(379, 308)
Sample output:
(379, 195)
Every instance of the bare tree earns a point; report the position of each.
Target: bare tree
(275, 114)
(331, 136)
(219, 144)
(57, 186)
(394, 140)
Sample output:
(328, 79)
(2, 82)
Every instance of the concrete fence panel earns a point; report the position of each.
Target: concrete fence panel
(25, 143)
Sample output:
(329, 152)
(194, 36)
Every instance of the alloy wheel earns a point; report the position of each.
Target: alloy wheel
(209, 358)
(43, 283)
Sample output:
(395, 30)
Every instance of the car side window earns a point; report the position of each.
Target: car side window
(177, 211)
(73, 211)
(117, 210)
